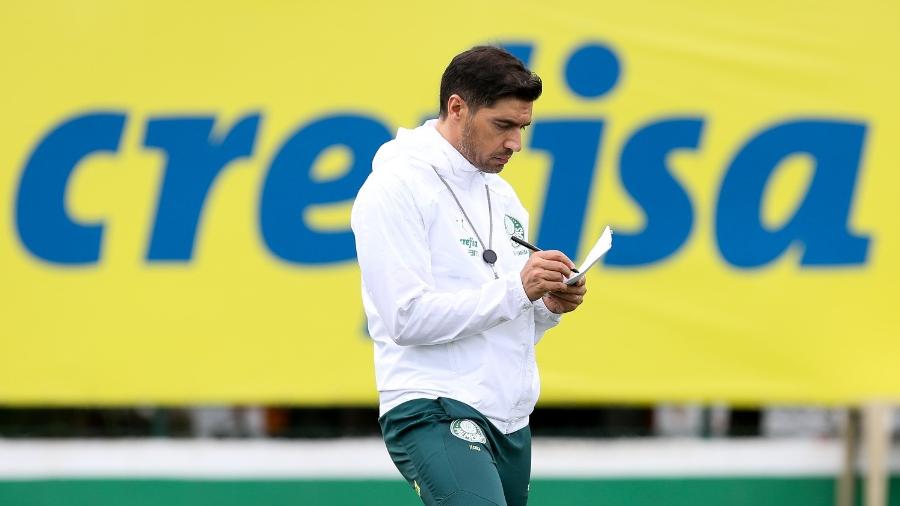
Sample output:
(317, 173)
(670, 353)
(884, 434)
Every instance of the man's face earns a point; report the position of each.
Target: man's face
(492, 134)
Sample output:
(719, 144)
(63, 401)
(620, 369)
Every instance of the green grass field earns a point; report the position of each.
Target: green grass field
(794, 491)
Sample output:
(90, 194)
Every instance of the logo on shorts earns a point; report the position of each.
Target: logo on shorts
(468, 431)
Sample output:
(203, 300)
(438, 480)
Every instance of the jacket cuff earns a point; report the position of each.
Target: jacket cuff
(514, 288)
(542, 313)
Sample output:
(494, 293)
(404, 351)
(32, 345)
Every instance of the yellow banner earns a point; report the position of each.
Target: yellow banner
(176, 181)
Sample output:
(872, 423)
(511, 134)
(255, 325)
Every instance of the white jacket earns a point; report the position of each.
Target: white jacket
(443, 326)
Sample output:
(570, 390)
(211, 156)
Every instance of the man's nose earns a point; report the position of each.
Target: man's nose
(514, 141)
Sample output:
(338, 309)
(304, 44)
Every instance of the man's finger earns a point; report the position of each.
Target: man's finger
(554, 286)
(577, 290)
(553, 265)
(569, 297)
(566, 305)
(555, 255)
(550, 276)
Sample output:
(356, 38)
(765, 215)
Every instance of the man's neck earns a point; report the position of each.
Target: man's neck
(448, 131)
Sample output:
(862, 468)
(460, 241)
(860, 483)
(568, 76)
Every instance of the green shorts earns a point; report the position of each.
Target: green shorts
(453, 456)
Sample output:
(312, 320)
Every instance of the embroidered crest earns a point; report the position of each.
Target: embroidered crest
(514, 227)
(467, 430)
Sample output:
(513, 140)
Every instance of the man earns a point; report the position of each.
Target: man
(454, 306)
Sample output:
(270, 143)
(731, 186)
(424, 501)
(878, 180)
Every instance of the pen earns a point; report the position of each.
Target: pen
(532, 247)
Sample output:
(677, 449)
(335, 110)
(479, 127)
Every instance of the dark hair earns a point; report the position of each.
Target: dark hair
(484, 74)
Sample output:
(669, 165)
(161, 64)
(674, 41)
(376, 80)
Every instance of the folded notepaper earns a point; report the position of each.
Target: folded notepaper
(603, 244)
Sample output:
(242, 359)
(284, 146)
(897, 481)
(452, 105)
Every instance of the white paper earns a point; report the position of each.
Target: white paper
(603, 244)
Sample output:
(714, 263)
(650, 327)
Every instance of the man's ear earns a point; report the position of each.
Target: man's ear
(456, 107)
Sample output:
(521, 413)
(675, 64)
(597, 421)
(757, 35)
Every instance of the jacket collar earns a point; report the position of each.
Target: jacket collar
(455, 161)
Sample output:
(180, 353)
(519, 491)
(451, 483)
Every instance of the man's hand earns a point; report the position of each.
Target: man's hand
(566, 300)
(545, 272)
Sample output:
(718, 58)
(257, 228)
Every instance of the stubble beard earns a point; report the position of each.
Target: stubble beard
(467, 149)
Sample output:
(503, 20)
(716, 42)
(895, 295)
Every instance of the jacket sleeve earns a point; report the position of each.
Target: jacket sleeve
(394, 257)
(544, 319)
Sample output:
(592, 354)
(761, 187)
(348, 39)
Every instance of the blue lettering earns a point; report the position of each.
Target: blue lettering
(669, 215)
(521, 50)
(820, 222)
(290, 188)
(43, 224)
(574, 146)
(195, 158)
(592, 70)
